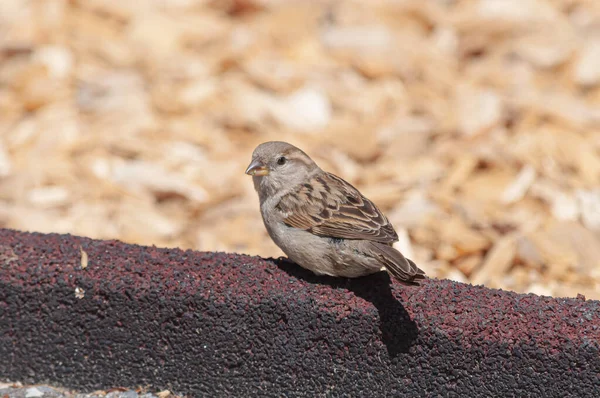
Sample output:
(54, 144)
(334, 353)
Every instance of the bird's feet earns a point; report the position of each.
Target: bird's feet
(283, 259)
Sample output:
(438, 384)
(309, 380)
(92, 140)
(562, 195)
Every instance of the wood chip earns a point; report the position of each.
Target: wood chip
(84, 258)
(496, 262)
(517, 189)
(468, 264)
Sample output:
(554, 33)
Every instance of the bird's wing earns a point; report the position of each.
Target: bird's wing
(328, 206)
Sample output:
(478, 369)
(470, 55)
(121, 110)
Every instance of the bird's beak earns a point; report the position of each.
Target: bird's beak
(257, 168)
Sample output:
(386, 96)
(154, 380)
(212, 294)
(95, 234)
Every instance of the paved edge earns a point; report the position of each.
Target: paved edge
(218, 324)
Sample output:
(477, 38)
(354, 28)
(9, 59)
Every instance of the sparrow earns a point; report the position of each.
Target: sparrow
(320, 221)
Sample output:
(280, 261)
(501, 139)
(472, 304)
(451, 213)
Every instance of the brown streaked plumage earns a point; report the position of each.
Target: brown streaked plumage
(329, 206)
(322, 222)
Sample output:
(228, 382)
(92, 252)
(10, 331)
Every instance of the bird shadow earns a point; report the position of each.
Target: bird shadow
(398, 330)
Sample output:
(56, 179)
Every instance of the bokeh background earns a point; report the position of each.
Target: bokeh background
(474, 124)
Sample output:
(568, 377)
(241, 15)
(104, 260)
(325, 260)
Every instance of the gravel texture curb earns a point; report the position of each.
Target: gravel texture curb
(18, 390)
(92, 314)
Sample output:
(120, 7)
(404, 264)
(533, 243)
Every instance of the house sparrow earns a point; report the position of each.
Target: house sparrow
(320, 221)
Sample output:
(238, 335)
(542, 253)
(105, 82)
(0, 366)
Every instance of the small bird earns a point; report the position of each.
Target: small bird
(320, 221)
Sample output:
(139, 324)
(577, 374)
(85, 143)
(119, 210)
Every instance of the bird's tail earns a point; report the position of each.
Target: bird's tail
(402, 269)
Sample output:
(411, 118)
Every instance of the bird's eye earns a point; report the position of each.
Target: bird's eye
(281, 161)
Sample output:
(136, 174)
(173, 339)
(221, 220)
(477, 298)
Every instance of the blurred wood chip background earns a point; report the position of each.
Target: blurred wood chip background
(474, 124)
